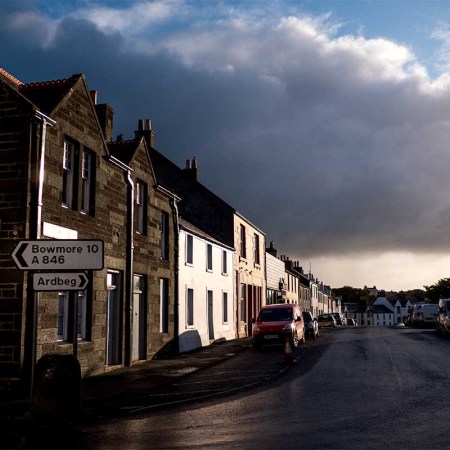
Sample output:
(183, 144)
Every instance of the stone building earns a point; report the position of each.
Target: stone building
(62, 177)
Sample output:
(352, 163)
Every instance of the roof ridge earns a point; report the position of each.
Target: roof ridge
(10, 77)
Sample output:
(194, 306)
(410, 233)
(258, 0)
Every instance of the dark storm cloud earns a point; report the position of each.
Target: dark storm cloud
(328, 145)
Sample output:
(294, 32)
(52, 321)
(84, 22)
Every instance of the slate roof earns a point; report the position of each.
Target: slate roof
(195, 230)
(380, 309)
(124, 150)
(355, 308)
(48, 94)
(198, 205)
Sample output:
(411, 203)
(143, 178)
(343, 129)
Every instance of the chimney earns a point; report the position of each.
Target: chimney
(192, 169)
(145, 130)
(105, 116)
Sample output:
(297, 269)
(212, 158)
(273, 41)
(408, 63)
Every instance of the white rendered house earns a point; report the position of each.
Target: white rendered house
(206, 304)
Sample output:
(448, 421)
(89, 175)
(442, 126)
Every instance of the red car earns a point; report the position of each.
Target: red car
(275, 322)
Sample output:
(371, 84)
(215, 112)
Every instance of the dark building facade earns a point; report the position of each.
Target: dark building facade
(62, 177)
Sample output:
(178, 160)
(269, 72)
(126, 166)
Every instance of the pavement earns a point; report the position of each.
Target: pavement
(221, 368)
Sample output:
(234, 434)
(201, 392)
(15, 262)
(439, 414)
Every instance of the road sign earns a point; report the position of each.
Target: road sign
(64, 281)
(72, 254)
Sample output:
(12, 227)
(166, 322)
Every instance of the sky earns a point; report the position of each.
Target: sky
(324, 123)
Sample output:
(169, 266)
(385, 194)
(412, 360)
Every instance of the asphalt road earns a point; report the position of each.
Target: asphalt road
(352, 388)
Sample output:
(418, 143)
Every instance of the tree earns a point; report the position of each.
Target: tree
(439, 290)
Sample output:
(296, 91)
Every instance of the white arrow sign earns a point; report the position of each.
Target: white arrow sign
(64, 281)
(59, 255)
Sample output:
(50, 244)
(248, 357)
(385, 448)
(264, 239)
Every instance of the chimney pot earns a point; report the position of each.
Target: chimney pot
(93, 97)
(188, 164)
(140, 125)
(148, 124)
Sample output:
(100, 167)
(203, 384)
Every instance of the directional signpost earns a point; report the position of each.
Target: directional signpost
(59, 255)
(54, 260)
(61, 281)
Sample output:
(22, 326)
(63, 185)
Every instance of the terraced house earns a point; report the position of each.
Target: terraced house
(62, 177)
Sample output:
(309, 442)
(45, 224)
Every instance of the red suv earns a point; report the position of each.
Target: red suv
(275, 322)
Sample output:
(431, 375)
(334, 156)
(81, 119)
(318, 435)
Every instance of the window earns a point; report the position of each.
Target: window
(69, 198)
(141, 207)
(209, 261)
(165, 236)
(189, 249)
(63, 316)
(256, 258)
(242, 247)
(88, 182)
(225, 307)
(243, 306)
(82, 314)
(190, 307)
(164, 309)
(224, 262)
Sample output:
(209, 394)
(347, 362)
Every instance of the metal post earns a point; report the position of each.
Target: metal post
(74, 297)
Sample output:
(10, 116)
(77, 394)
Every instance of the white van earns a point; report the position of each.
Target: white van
(428, 315)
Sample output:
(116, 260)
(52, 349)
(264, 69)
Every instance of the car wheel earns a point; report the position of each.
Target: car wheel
(294, 340)
(303, 340)
(315, 334)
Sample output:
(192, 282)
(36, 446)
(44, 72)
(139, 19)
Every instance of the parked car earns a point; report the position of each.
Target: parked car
(275, 322)
(326, 320)
(443, 317)
(340, 319)
(428, 315)
(351, 323)
(311, 325)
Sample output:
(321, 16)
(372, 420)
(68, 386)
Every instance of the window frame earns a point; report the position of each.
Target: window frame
(209, 257)
(242, 242)
(69, 192)
(224, 307)
(164, 305)
(256, 251)
(189, 259)
(189, 307)
(141, 207)
(165, 236)
(88, 180)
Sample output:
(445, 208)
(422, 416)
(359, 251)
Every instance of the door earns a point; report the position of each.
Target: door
(139, 316)
(114, 320)
(210, 315)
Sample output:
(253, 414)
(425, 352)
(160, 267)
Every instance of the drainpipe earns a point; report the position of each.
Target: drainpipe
(32, 298)
(176, 330)
(128, 339)
(130, 270)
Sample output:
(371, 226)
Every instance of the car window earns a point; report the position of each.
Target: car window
(274, 315)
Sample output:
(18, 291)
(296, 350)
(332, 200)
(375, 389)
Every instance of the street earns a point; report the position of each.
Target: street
(361, 387)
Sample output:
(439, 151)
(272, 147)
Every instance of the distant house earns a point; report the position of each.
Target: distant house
(381, 316)
(398, 307)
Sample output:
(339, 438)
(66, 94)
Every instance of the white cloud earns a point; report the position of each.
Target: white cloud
(132, 20)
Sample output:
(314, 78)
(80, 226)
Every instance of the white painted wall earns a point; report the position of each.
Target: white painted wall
(196, 276)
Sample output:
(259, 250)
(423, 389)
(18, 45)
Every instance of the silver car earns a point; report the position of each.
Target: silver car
(326, 320)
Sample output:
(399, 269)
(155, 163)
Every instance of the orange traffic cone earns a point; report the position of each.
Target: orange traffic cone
(288, 357)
